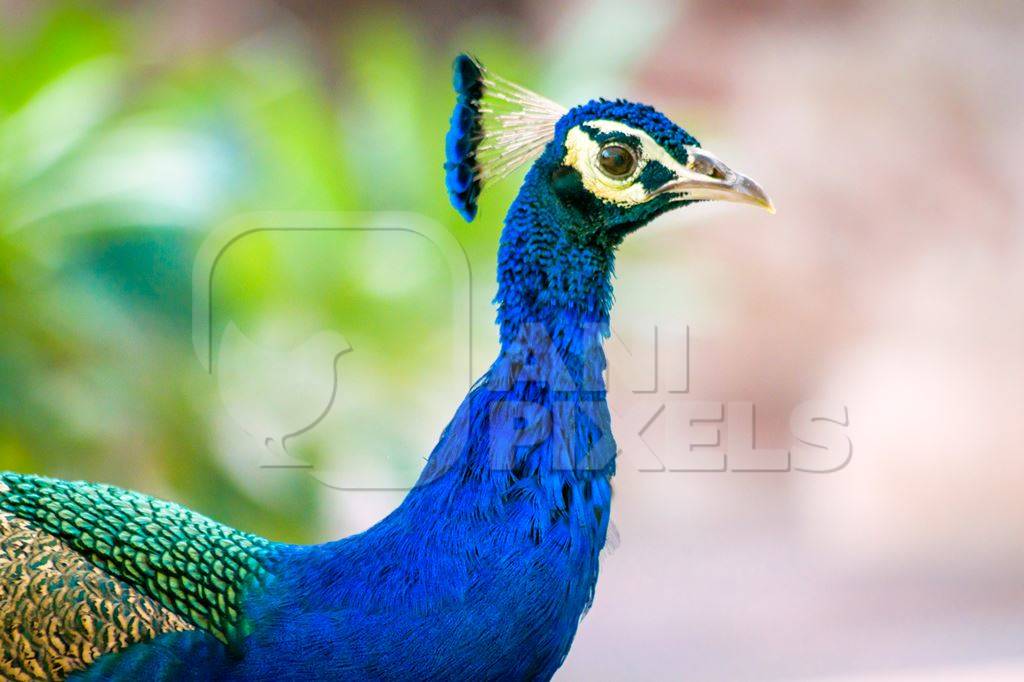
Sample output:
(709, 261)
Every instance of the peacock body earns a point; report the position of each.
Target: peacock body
(485, 569)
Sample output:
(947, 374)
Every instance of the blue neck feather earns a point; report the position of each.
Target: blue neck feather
(538, 418)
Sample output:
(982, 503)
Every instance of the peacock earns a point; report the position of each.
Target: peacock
(486, 568)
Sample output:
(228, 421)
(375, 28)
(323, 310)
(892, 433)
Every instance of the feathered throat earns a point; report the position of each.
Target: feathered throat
(496, 127)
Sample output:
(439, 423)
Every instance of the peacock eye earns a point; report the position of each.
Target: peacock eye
(616, 160)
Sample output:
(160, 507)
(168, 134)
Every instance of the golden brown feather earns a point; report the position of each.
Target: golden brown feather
(58, 612)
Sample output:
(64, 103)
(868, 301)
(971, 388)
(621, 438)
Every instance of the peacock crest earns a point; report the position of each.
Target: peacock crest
(496, 127)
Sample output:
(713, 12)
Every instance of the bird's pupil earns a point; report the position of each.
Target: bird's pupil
(616, 160)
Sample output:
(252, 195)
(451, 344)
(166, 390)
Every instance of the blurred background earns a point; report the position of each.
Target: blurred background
(133, 135)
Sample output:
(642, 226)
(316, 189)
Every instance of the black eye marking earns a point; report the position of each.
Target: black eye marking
(562, 175)
(613, 136)
(654, 175)
(617, 160)
(568, 185)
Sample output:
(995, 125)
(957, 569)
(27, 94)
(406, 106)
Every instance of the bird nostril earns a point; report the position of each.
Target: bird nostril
(708, 168)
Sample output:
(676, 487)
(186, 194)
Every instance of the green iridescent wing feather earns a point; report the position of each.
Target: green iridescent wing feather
(194, 567)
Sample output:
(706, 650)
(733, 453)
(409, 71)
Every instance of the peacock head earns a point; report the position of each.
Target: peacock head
(608, 167)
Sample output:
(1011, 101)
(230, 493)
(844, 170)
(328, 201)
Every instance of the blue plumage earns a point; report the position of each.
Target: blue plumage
(486, 568)
(643, 117)
(463, 137)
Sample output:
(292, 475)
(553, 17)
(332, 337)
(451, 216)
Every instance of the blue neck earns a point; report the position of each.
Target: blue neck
(548, 274)
(533, 438)
(554, 296)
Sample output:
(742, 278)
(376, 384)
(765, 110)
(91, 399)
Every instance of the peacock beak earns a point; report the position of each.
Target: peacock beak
(707, 178)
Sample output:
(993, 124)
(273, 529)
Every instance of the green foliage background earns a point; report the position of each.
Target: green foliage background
(114, 166)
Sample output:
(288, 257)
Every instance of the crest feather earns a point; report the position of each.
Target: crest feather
(496, 127)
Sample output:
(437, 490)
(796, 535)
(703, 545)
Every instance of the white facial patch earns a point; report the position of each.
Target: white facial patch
(582, 153)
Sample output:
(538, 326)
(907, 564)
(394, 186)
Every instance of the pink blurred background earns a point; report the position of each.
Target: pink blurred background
(890, 136)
